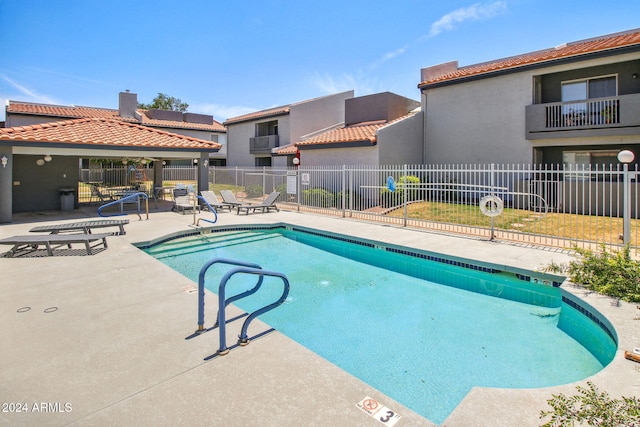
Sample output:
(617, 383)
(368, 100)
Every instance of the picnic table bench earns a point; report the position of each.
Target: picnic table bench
(52, 241)
(84, 226)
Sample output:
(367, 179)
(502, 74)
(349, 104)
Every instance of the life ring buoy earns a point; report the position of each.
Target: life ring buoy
(491, 205)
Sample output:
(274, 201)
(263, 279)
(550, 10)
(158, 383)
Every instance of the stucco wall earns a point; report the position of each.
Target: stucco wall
(481, 121)
(14, 120)
(37, 188)
(316, 114)
(238, 136)
(401, 142)
(340, 156)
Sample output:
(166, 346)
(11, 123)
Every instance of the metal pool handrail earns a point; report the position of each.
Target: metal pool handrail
(243, 338)
(211, 209)
(124, 199)
(243, 268)
(201, 278)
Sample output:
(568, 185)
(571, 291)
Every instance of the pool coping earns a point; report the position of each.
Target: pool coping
(48, 354)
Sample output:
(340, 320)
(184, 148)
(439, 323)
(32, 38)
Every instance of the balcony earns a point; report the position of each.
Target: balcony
(263, 144)
(593, 117)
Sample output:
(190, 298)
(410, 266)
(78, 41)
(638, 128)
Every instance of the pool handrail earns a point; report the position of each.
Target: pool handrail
(243, 339)
(201, 285)
(211, 209)
(124, 199)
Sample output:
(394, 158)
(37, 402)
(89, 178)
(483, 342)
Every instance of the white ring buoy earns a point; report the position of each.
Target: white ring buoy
(491, 205)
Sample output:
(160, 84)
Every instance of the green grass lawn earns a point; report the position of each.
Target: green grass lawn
(569, 226)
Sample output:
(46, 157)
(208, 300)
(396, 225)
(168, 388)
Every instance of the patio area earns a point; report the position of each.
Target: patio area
(101, 340)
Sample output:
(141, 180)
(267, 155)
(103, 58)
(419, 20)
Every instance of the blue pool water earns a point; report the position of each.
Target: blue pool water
(386, 318)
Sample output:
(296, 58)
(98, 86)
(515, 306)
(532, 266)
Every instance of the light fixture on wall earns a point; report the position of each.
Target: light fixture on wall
(40, 162)
(634, 75)
(4, 161)
(48, 158)
(626, 156)
(195, 161)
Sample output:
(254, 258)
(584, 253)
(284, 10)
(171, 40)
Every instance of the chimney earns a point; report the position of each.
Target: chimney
(128, 104)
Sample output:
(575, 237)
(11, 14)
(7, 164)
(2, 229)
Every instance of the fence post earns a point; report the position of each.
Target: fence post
(404, 195)
(298, 187)
(626, 206)
(264, 180)
(344, 186)
(493, 193)
(626, 157)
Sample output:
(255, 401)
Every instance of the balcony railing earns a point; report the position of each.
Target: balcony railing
(585, 113)
(601, 116)
(263, 144)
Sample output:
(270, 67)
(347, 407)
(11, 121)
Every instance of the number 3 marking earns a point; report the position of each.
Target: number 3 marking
(386, 418)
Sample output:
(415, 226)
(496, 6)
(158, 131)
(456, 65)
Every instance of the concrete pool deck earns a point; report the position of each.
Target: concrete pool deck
(102, 340)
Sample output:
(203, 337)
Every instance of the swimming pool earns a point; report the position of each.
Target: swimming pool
(381, 312)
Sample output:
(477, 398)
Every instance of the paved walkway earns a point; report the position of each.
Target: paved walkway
(101, 340)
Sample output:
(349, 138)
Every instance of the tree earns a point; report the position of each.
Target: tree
(165, 102)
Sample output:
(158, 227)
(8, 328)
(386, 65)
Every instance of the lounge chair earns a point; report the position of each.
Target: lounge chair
(212, 200)
(229, 198)
(266, 206)
(83, 226)
(182, 201)
(28, 244)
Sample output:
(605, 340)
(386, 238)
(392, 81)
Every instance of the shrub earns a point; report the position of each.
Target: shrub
(351, 200)
(613, 274)
(594, 409)
(318, 197)
(389, 199)
(254, 191)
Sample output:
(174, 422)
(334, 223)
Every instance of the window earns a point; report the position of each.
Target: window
(584, 102)
(588, 160)
(263, 161)
(580, 90)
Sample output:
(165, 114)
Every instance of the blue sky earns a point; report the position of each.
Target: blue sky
(229, 58)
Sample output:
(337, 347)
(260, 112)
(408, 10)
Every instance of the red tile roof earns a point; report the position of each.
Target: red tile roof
(285, 150)
(101, 132)
(65, 111)
(364, 133)
(575, 49)
(148, 121)
(72, 111)
(360, 132)
(272, 112)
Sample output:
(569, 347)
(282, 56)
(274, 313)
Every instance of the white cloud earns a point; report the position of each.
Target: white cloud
(221, 112)
(30, 94)
(330, 84)
(389, 56)
(475, 12)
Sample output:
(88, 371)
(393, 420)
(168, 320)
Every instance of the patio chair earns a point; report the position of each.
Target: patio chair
(182, 201)
(266, 206)
(104, 198)
(211, 198)
(229, 198)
